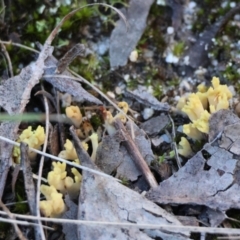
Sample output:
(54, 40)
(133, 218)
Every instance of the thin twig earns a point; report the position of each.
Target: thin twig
(174, 228)
(135, 154)
(81, 79)
(69, 15)
(42, 163)
(61, 160)
(174, 145)
(24, 223)
(19, 45)
(5, 52)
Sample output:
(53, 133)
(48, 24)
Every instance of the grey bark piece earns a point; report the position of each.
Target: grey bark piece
(123, 41)
(155, 125)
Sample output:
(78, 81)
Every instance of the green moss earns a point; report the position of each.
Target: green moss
(96, 121)
(179, 49)
(158, 91)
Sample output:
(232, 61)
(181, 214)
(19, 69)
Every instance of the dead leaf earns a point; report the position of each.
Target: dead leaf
(220, 120)
(141, 95)
(210, 182)
(155, 125)
(111, 156)
(67, 85)
(123, 42)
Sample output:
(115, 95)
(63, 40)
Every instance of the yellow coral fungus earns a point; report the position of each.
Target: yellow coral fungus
(34, 139)
(185, 148)
(191, 131)
(182, 102)
(57, 175)
(202, 88)
(124, 106)
(69, 152)
(218, 96)
(202, 123)
(73, 187)
(94, 140)
(199, 106)
(54, 205)
(194, 107)
(74, 113)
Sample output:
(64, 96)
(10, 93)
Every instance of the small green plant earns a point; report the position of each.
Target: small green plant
(166, 156)
(125, 182)
(20, 207)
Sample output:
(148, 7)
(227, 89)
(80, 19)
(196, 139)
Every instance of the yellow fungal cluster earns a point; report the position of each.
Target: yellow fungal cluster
(34, 139)
(109, 119)
(199, 107)
(58, 180)
(74, 113)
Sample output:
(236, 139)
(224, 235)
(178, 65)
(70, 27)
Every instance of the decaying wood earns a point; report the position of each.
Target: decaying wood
(135, 154)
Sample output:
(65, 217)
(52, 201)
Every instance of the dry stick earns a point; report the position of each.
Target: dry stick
(42, 163)
(81, 79)
(174, 145)
(11, 216)
(175, 228)
(62, 160)
(29, 186)
(19, 45)
(14, 178)
(81, 152)
(5, 52)
(135, 154)
(24, 223)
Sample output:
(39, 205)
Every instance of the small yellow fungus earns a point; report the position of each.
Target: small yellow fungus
(194, 107)
(185, 148)
(54, 205)
(69, 152)
(74, 113)
(218, 96)
(191, 131)
(94, 140)
(34, 139)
